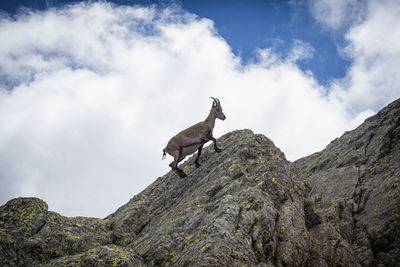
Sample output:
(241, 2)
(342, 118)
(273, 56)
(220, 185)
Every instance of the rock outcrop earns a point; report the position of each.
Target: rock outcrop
(31, 235)
(245, 206)
(356, 191)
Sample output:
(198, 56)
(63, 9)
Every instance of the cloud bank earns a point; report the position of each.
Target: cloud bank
(91, 93)
(373, 35)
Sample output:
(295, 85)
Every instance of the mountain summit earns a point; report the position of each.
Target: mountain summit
(245, 206)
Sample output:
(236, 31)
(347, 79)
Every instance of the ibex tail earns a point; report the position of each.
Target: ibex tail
(164, 154)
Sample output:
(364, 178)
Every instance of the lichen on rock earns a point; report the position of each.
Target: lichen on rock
(30, 234)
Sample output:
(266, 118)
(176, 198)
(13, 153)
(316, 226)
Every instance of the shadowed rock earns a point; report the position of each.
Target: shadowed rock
(356, 190)
(30, 234)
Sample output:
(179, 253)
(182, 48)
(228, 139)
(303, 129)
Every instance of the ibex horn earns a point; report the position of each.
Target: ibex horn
(216, 101)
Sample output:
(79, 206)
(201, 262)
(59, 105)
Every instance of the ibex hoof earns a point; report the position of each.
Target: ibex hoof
(197, 164)
(181, 173)
(218, 150)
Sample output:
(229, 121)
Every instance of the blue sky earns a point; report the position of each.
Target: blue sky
(249, 25)
(91, 92)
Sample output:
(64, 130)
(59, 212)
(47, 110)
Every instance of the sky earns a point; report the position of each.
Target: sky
(91, 92)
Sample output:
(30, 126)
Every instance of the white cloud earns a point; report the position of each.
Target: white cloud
(98, 90)
(300, 51)
(373, 37)
(337, 14)
(374, 76)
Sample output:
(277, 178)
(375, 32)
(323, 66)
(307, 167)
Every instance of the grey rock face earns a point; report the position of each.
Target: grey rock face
(245, 206)
(31, 235)
(355, 189)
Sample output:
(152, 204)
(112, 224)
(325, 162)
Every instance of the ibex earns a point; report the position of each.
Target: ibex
(193, 138)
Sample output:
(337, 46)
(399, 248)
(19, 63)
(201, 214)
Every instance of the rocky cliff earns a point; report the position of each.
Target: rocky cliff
(355, 188)
(245, 206)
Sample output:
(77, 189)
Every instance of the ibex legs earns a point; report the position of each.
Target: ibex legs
(174, 165)
(196, 162)
(210, 137)
(177, 154)
(215, 145)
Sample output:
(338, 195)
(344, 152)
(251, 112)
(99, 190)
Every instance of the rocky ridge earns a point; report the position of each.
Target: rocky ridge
(245, 206)
(356, 190)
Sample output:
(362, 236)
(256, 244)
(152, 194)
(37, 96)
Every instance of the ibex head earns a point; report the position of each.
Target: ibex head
(217, 109)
